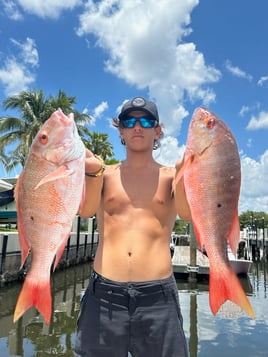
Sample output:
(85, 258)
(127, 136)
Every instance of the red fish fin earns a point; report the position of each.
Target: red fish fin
(198, 237)
(60, 252)
(180, 173)
(61, 172)
(24, 244)
(33, 294)
(224, 285)
(17, 187)
(234, 236)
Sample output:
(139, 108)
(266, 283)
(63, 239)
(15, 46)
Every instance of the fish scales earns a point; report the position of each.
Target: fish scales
(211, 176)
(48, 194)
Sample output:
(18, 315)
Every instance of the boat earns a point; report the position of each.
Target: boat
(240, 266)
(172, 244)
(6, 197)
(5, 186)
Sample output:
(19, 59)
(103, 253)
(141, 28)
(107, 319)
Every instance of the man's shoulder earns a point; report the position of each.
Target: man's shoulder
(112, 167)
(168, 170)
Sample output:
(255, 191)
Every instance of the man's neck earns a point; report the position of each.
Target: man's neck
(138, 160)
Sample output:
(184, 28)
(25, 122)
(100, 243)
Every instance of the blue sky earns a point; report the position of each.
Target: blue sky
(180, 53)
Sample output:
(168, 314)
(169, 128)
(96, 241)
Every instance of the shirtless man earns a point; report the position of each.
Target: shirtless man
(131, 303)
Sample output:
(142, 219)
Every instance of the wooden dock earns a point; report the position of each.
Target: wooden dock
(181, 263)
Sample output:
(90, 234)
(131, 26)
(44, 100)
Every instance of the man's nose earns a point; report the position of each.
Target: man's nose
(137, 125)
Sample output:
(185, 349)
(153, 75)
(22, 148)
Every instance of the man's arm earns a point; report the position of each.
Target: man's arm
(181, 203)
(93, 185)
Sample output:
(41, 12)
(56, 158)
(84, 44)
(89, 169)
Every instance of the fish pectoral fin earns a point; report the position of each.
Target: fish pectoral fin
(61, 172)
(185, 165)
(224, 285)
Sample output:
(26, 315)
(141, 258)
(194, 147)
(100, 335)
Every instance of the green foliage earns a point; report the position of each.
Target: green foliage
(181, 227)
(253, 219)
(98, 144)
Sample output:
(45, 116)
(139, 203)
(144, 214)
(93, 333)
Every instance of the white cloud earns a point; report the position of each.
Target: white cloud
(260, 122)
(15, 77)
(48, 8)
(28, 51)
(11, 10)
(17, 74)
(146, 51)
(249, 142)
(236, 71)
(245, 109)
(262, 80)
(254, 190)
(169, 152)
(98, 111)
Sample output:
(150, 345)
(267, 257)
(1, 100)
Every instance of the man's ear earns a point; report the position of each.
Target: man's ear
(158, 132)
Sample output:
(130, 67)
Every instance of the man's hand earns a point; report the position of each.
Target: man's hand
(92, 163)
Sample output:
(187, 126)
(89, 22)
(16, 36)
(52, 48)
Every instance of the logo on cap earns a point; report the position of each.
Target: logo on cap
(138, 102)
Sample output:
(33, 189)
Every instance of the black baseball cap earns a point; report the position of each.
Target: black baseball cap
(139, 103)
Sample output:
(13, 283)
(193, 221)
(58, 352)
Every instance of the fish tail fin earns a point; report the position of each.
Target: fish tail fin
(225, 285)
(32, 294)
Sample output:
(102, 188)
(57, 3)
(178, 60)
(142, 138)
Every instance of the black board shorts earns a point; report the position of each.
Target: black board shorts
(142, 318)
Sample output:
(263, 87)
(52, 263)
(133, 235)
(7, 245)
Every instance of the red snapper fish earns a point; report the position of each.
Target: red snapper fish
(211, 176)
(48, 194)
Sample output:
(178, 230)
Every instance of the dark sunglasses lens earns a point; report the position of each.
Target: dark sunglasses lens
(147, 122)
(144, 122)
(129, 123)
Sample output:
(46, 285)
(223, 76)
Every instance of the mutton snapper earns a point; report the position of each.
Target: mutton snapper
(48, 194)
(211, 177)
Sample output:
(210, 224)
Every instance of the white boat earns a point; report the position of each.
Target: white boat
(240, 266)
(5, 186)
(172, 244)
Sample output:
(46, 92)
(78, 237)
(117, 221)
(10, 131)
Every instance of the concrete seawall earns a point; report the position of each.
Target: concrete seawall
(80, 248)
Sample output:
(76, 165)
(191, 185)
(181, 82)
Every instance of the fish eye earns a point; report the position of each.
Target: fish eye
(210, 123)
(43, 138)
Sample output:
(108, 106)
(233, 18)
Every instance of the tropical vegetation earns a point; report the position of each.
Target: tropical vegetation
(18, 132)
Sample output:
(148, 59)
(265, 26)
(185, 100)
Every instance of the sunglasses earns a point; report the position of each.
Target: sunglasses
(144, 122)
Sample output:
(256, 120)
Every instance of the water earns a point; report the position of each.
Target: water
(230, 333)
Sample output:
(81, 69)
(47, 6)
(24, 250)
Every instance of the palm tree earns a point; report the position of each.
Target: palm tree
(34, 109)
(98, 143)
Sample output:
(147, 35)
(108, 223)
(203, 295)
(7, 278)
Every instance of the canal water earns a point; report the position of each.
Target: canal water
(230, 333)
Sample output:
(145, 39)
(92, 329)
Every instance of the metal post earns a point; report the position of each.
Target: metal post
(77, 237)
(256, 231)
(192, 274)
(4, 253)
(263, 241)
(92, 236)
(85, 246)
(68, 249)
